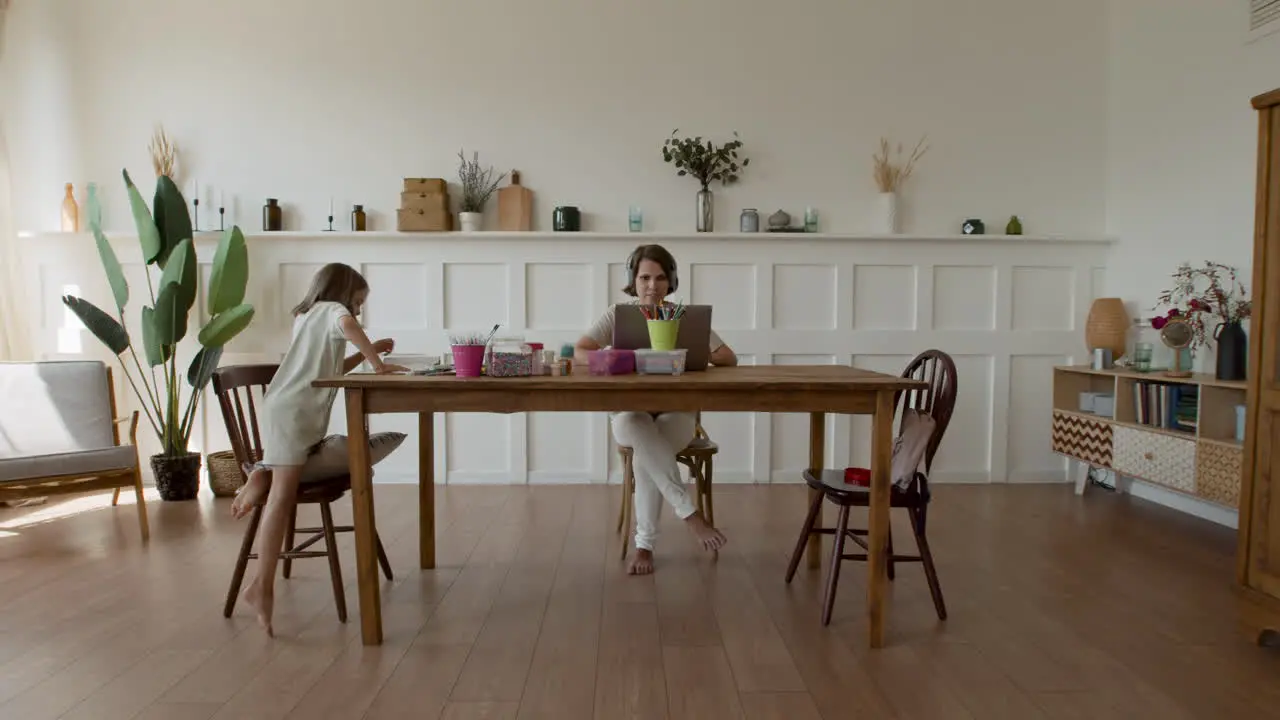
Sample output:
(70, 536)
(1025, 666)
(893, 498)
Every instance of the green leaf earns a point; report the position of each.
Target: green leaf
(156, 352)
(181, 272)
(148, 235)
(203, 366)
(172, 220)
(104, 327)
(115, 275)
(230, 274)
(221, 329)
(171, 316)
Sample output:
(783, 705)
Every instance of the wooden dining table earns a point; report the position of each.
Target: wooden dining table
(814, 389)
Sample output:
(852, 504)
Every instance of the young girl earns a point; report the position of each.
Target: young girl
(295, 415)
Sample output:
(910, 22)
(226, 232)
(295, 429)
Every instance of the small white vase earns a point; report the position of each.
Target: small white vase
(884, 219)
(470, 221)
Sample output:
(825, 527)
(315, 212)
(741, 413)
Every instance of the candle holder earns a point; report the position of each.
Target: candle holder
(196, 217)
(222, 215)
(330, 228)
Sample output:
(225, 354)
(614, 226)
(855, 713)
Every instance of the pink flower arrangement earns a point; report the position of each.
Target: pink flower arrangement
(1200, 292)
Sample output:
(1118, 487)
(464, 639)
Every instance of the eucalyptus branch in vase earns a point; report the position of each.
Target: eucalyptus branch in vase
(706, 163)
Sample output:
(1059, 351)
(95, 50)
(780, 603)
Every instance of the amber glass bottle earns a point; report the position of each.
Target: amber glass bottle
(358, 219)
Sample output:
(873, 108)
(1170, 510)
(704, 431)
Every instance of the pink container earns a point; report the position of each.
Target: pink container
(467, 360)
(611, 362)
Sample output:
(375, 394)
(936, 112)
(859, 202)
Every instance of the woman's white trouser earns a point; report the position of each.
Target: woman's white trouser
(654, 443)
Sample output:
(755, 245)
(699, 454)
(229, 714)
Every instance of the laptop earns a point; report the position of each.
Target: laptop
(631, 332)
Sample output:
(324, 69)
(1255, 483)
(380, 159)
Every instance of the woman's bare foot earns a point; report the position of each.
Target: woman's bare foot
(262, 604)
(711, 538)
(641, 563)
(252, 494)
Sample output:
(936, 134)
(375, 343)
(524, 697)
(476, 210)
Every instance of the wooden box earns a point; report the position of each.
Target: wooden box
(410, 220)
(424, 201)
(426, 185)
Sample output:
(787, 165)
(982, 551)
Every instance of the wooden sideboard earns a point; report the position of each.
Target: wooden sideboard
(1258, 569)
(1178, 433)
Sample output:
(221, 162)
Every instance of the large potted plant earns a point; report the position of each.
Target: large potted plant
(477, 185)
(706, 163)
(166, 241)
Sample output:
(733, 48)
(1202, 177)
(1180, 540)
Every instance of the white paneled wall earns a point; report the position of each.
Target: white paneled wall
(1007, 310)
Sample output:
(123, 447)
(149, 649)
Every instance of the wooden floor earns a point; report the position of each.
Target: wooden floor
(1061, 607)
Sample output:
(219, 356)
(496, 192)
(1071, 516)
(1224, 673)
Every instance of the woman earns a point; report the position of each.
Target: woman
(655, 438)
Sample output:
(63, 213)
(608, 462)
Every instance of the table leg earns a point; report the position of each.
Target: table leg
(817, 452)
(878, 515)
(426, 491)
(363, 518)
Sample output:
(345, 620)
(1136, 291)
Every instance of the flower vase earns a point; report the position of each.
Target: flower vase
(1233, 346)
(885, 217)
(706, 211)
(470, 221)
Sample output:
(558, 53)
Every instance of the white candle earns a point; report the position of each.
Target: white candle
(330, 206)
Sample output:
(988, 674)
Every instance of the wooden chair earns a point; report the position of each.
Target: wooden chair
(698, 456)
(231, 384)
(939, 371)
(60, 434)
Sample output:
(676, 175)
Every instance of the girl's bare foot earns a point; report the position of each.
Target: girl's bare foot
(262, 604)
(641, 563)
(252, 494)
(711, 538)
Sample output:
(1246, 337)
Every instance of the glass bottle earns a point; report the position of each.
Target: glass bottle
(358, 219)
(749, 222)
(272, 219)
(70, 211)
(93, 206)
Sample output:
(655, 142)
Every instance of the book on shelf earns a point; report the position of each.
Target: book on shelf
(1166, 406)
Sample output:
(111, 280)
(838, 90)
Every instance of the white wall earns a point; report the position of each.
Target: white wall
(1181, 138)
(345, 98)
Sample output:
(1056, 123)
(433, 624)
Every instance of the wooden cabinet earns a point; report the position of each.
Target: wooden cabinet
(1176, 432)
(1258, 570)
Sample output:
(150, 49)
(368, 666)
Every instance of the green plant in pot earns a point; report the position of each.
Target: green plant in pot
(706, 163)
(165, 236)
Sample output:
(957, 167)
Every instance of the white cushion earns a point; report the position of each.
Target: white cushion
(331, 458)
(85, 463)
(54, 407)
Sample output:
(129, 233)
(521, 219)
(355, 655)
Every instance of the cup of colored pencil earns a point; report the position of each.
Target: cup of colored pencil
(664, 324)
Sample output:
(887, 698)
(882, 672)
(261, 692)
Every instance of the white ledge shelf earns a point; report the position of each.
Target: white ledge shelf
(543, 235)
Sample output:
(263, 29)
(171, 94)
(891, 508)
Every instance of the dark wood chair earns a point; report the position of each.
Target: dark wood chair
(235, 387)
(698, 456)
(939, 371)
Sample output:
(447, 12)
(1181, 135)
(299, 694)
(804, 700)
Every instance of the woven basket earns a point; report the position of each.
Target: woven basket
(225, 477)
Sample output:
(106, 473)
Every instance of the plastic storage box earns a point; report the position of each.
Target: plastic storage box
(660, 362)
(611, 361)
(511, 359)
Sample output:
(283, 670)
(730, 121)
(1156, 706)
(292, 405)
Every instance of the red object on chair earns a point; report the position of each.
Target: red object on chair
(858, 476)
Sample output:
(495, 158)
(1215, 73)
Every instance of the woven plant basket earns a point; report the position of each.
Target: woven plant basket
(225, 477)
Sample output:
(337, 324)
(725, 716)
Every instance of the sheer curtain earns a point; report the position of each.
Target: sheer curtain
(14, 338)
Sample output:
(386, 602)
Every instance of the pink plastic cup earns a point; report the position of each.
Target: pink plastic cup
(467, 360)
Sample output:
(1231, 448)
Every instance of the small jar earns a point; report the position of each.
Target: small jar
(749, 221)
(272, 217)
(566, 218)
(358, 219)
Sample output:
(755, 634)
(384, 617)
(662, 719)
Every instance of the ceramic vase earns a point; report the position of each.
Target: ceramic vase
(1233, 347)
(885, 214)
(470, 221)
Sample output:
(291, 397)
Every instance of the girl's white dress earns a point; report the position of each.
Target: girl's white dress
(296, 415)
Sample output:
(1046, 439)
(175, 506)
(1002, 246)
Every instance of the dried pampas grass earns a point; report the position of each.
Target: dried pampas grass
(164, 154)
(889, 175)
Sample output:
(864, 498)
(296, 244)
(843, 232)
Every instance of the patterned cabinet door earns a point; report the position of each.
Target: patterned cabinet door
(1082, 438)
(1218, 473)
(1156, 457)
